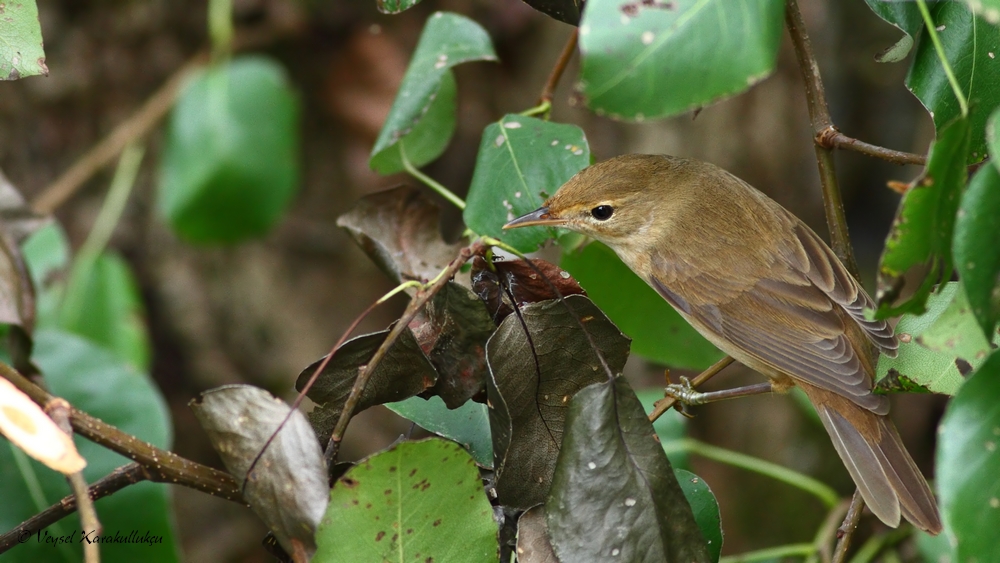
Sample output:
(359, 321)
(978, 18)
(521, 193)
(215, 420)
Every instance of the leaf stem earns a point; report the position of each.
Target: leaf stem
(820, 490)
(430, 182)
(541, 109)
(963, 104)
(790, 550)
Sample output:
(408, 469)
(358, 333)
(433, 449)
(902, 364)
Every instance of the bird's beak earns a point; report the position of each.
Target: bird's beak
(540, 216)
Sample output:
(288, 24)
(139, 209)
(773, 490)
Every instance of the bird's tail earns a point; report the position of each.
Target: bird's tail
(884, 472)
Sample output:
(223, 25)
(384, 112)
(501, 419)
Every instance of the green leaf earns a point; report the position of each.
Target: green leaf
(395, 6)
(705, 509)
(416, 501)
(102, 303)
(521, 162)
(921, 233)
(938, 348)
(614, 495)
(989, 10)
(642, 60)
(657, 331)
(95, 381)
(469, 424)
(21, 50)
(968, 462)
(671, 425)
(424, 111)
(230, 162)
(428, 137)
(977, 254)
(970, 46)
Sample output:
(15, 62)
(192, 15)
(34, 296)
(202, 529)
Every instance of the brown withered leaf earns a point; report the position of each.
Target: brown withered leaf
(403, 373)
(504, 283)
(400, 230)
(452, 330)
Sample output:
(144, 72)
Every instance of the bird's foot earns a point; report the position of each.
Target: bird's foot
(684, 393)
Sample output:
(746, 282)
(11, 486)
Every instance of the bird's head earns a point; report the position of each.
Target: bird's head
(621, 202)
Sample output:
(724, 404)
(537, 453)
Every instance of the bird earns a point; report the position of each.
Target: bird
(764, 288)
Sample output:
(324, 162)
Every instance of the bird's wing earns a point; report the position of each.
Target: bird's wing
(796, 319)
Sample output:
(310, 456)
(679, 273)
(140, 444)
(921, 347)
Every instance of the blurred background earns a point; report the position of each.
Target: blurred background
(259, 312)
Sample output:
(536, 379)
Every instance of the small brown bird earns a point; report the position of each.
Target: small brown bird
(765, 289)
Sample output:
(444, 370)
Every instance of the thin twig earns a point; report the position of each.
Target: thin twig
(170, 467)
(557, 71)
(831, 138)
(828, 531)
(111, 483)
(663, 405)
(848, 527)
(421, 297)
(819, 115)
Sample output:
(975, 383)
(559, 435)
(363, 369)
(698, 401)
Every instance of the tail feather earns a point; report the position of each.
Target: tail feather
(873, 452)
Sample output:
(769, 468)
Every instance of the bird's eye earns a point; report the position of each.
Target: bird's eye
(602, 212)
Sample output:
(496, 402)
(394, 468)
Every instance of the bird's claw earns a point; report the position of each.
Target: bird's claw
(685, 394)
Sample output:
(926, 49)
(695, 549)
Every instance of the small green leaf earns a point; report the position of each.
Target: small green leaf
(424, 110)
(230, 162)
(968, 462)
(977, 254)
(938, 348)
(46, 253)
(521, 162)
(643, 60)
(469, 424)
(94, 381)
(657, 331)
(922, 231)
(21, 50)
(416, 501)
(705, 509)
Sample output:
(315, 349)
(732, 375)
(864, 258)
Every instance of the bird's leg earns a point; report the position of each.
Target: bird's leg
(686, 395)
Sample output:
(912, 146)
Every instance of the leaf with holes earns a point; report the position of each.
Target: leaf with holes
(21, 51)
(651, 59)
(521, 162)
(535, 369)
(422, 117)
(416, 501)
(922, 231)
(938, 348)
